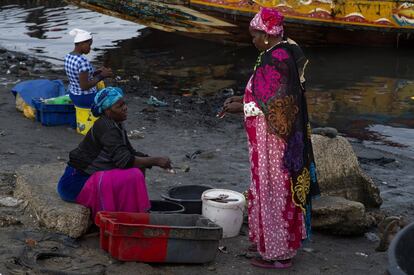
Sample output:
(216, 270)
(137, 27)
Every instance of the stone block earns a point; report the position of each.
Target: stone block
(340, 216)
(37, 184)
(339, 173)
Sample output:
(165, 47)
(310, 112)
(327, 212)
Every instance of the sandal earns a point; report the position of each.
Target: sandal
(281, 264)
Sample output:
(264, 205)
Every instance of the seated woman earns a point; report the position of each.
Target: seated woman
(104, 172)
(80, 72)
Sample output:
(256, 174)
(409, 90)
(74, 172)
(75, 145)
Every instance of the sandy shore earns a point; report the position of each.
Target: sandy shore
(186, 126)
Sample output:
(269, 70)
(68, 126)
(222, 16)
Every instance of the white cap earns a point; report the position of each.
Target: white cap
(80, 35)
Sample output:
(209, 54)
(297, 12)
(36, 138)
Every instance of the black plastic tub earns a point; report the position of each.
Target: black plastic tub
(188, 196)
(166, 207)
(401, 252)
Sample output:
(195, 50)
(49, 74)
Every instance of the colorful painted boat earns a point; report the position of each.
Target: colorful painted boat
(366, 22)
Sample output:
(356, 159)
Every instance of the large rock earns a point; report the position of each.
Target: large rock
(37, 185)
(339, 173)
(340, 216)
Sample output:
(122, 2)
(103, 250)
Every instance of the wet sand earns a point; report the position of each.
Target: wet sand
(186, 126)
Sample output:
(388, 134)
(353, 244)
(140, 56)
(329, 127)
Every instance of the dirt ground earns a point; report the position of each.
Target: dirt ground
(215, 150)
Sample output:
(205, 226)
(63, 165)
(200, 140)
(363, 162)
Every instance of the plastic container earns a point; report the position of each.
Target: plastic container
(188, 196)
(64, 99)
(229, 214)
(166, 207)
(401, 252)
(84, 120)
(54, 114)
(162, 238)
(100, 85)
(22, 106)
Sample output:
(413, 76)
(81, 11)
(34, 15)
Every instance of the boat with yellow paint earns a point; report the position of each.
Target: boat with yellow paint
(361, 22)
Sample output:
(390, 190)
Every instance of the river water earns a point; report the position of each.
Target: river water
(364, 92)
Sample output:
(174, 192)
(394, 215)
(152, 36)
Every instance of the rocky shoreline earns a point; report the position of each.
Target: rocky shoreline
(15, 64)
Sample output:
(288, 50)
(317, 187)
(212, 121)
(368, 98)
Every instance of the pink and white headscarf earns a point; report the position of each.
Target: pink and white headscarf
(269, 21)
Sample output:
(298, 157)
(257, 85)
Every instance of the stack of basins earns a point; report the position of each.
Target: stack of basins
(189, 196)
(223, 207)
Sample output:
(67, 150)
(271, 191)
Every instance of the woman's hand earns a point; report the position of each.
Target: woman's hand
(85, 83)
(233, 99)
(163, 162)
(146, 162)
(106, 72)
(233, 107)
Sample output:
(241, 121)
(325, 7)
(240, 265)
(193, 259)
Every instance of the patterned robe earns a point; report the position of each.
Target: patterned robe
(283, 176)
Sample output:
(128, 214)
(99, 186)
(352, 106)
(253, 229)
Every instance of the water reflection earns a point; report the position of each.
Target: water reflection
(340, 67)
(377, 100)
(35, 21)
(381, 97)
(349, 88)
(177, 64)
(41, 28)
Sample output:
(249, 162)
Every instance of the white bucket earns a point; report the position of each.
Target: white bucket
(228, 215)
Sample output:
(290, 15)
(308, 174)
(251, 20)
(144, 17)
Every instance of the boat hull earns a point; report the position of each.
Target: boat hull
(309, 22)
(385, 15)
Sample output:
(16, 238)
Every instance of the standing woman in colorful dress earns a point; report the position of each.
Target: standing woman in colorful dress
(283, 176)
(82, 76)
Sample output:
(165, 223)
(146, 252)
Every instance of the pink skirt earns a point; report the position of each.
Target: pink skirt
(118, 190)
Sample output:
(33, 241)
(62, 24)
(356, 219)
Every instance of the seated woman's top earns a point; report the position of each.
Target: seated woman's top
(106, 146)
(74, 65)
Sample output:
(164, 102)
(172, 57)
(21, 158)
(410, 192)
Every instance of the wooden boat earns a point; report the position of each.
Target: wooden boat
(361, 22)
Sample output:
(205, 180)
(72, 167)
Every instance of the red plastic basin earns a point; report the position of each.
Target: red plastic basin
(149, 237)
